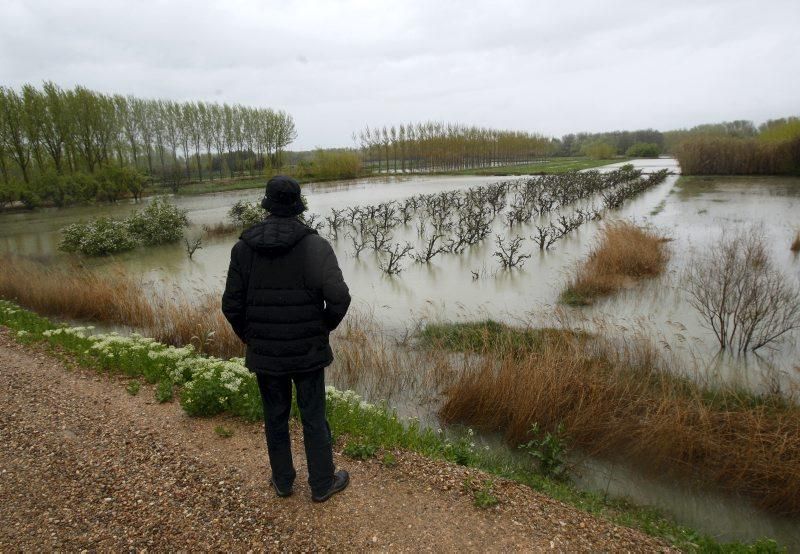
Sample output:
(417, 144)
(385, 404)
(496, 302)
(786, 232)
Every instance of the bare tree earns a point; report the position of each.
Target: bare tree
(193, 246)
(433, 246)
(509, 252)
(742, 297)
(391, 264)
(359, 242)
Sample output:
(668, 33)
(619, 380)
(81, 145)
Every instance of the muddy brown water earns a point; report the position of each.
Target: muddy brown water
(691, 213)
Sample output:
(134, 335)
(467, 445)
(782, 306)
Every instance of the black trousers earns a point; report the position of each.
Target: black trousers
(276, 395)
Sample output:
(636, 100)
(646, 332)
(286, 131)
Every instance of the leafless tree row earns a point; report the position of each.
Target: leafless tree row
(451, 222)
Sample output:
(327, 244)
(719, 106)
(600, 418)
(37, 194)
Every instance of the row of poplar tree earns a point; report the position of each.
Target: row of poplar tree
(80, 130)
(437, 146)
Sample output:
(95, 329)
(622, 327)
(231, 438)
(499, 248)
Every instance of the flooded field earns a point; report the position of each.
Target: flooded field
(471, 285)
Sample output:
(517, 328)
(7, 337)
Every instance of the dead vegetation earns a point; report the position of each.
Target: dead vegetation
(620, 399)
(742, 297)
(624, 253)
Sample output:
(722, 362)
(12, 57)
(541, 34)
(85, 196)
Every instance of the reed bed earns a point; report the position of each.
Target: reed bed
(114, 297)
(75, 292)
(620, 399)
(624, 253)
(710, 155)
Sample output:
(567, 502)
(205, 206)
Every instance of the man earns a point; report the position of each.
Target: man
(283, 296)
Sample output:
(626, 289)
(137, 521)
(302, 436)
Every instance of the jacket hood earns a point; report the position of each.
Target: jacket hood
(276, 235)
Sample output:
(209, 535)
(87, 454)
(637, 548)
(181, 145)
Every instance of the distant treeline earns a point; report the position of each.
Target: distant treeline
(740, 148)
(609, 144)
(52, 131)
(437, 146)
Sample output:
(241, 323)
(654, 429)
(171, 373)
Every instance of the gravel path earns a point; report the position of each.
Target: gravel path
(84, 465)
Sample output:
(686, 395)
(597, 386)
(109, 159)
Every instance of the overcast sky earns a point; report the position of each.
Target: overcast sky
(549, 67)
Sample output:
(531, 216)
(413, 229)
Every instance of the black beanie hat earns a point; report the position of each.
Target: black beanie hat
(282, 197)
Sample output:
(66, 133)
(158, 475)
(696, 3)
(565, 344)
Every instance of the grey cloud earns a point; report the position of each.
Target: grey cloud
(552, 67)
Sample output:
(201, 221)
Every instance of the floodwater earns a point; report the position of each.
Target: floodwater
(471, 286)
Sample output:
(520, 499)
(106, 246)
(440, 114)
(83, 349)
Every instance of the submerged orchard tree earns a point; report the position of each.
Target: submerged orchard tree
(741, 296)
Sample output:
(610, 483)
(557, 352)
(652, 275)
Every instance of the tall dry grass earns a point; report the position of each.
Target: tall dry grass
(114, 297)
(625, 252)
(711, 155)
(620, 400)
(75, 292)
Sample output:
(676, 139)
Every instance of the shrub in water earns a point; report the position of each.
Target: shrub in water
(101, 237)
(159, 223)
(246, 214)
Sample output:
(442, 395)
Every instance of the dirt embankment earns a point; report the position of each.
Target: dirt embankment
(84, 465)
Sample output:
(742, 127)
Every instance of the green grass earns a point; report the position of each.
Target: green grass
(571, 297)
(488, 335)
(373, 427)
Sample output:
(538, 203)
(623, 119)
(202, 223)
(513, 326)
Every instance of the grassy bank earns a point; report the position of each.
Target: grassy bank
(207, 386)
(624, 254)
(489, 336)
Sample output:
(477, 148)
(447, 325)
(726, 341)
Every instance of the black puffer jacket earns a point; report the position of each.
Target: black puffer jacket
(284, 295)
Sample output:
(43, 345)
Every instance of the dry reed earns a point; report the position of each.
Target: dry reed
(624, 253)
(710, 155)
(113, 297)
(620, 400)
(75, 292)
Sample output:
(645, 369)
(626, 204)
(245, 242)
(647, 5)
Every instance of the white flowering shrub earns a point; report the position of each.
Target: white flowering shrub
(100, 237)
(159, 223)
(212, 386)
(246, 214)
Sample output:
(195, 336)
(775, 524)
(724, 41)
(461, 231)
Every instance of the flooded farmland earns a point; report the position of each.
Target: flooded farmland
(472, 285)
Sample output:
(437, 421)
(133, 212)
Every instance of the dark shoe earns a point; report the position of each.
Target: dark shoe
(340, 481)
(278, 491)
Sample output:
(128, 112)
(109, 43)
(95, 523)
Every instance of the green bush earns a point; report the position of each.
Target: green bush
(159, 223)
(246, 214)
(164, 391)
(9, 193)
(218, 386)
(330, 164)
(549, 450)
(360, 450)
(599, 150)
(100, 237)
(133, 387)
(643, 150)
